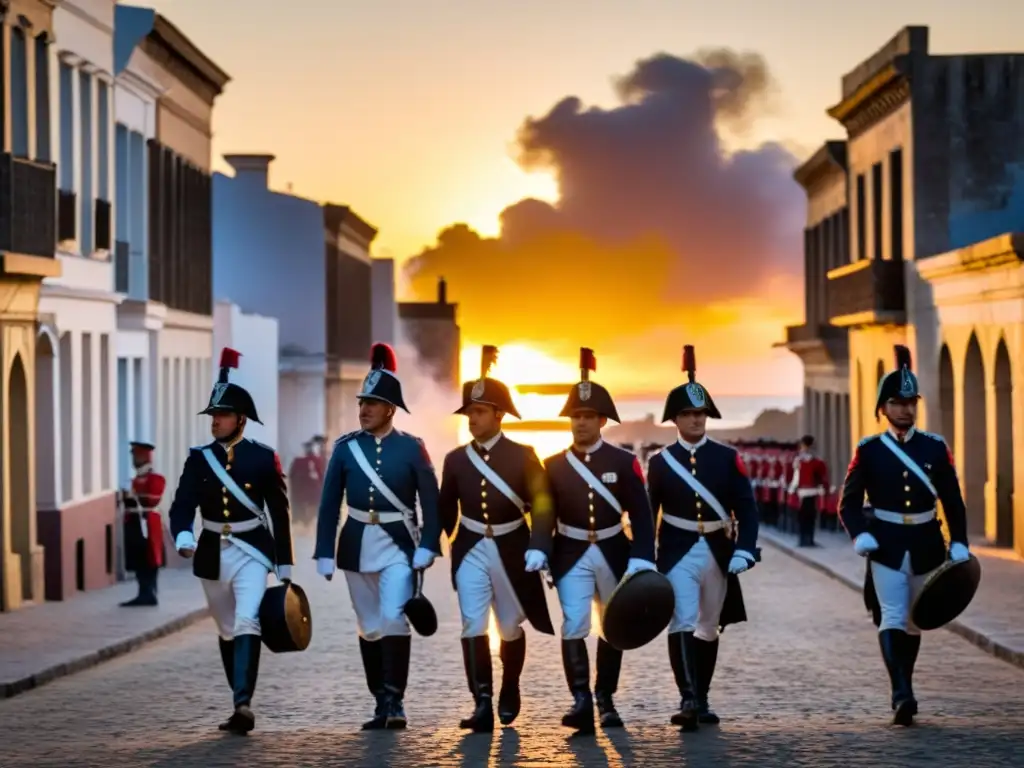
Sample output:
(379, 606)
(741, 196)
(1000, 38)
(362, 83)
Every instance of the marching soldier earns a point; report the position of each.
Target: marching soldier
(143, 528)
(305, 479)
(230, 480)
(592, 484)
(496, 558)
(704, 491)
(903, 471)
(380, 472)
(809, 483)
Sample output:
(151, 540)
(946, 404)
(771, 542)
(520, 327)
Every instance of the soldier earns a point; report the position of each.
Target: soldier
(143, 527)
(903, 471)
(231, 480)
(305, 479)
(704, 490)
(809, 483)
(380, 472)
(496, 558)
(592, 484)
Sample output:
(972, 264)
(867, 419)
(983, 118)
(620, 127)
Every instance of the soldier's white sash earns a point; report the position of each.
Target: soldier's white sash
(494, 478)
(909, 463)
(697, 485)
(591, 479)
(229, 482)
(377, 480)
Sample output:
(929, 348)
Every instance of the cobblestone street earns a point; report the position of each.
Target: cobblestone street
(801, 684)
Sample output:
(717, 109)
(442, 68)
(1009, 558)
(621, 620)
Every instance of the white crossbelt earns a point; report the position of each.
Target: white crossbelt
(917, 518)
(227, 528)
(703, 526)
(809, 493)
(376, 518)
(498, 529)
(583, 534)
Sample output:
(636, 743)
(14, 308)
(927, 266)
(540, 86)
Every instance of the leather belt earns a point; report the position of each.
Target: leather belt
(696, 526)
(376, 518)
(585, 534)
(226, 529)
(897, 518)
(490, 530)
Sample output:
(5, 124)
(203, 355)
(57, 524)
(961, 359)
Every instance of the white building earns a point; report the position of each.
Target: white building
(166, 88)
(76, 397)
(256, 338)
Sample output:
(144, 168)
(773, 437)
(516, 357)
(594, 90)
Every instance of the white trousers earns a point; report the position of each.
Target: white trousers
(589, 580)
(382, 587)
(700, 588)
(896, 591)
(481, 583)
(235, 597)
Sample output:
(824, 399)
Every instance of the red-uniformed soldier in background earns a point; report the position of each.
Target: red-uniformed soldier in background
(809, 483)
(143, 527)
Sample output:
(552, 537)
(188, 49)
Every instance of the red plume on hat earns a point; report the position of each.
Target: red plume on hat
(903, 358)
(690, 362)
(588, 363)
(228, 359)
(382, 356)
(488, 357)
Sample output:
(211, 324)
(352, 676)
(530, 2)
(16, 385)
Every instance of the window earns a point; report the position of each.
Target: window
(896, 202)
(67, 128)
(43, 153)
(877, 234)
(85, 149)
(19, 93)
(103, 139)
(122, 171)
(861, 223)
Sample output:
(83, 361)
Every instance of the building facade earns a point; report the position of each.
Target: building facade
(309, 266)
(256, 338)
(936, 182)
(27, 242)
(164, 253)
(76, 406)
(431, 329)
(821, 346)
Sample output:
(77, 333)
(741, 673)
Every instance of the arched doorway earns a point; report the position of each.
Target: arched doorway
(47, 491)
(947, 397)
(1003, 381)
(976, 456)
(20, 483)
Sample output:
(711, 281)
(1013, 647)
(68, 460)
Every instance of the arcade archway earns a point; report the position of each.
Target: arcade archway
(975, 454)
(1003, 384)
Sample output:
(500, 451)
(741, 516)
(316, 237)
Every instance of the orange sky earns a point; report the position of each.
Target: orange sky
(409, 112)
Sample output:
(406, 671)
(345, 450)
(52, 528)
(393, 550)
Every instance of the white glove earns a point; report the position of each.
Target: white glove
(422, 558)
(325, 567)
(535, 560)
(284, 572)
(865, 543)
(741, 561)
(185, 543)
(636, 565)
(958, 552)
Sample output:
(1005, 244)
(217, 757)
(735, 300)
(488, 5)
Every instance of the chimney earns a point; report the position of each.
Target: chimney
(442, 291)
(254, 168)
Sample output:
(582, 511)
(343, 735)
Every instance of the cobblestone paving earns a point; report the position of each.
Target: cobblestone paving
(801, 684)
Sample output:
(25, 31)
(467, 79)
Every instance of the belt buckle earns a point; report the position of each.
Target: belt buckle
(700, 527)
(374, 518)
(488, 532)
(908, 520)
(225, 531)
(592, 536)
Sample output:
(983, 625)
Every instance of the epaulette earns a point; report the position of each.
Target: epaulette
(932, 435)
(347, 436)
(264, 446)
(868, 439)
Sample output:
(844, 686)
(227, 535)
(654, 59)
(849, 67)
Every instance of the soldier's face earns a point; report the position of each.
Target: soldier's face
(484, 421)
(586, 427)
(901, 413)
(691, 425)
(141, 457)
(224, 425)
(374, 414)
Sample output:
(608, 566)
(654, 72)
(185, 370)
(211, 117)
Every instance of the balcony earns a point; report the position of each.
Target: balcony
(867, 292)
(806, 334)
(67, 216)
(27, 203)
(102, 224)
(816, 343)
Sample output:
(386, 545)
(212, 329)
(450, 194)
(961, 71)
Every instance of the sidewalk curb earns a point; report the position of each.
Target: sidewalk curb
(973, 636)
(11, 689)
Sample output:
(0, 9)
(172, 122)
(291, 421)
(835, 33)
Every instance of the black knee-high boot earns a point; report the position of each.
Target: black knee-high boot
(246, 669)
(707, 660)
(609, 665)
(513, 658)
(897, 651)
(476, 654)
(682, 656)
(227, 658)
(373, 668)
(576, 663)
(396, 650)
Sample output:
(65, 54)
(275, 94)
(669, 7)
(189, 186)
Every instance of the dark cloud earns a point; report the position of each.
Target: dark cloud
(653, 212)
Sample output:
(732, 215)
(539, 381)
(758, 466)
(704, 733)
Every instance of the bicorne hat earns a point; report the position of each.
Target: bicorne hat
(589, 395)
(229, 397)
(900, 384)
(382, 383)
(691, 396)
(485, 390)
